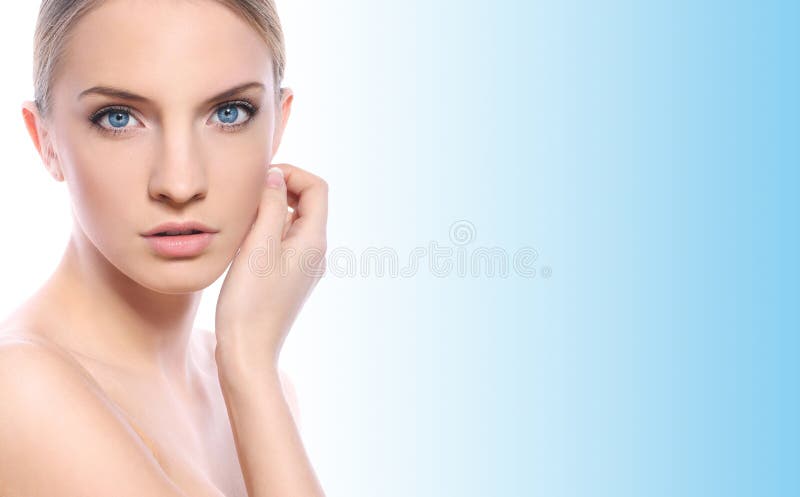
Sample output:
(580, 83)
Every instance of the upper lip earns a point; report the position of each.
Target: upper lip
(179, 226)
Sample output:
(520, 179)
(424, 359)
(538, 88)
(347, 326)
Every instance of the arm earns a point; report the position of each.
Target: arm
(59, 434)
(277, 266)
(268, 442)
(287, 384)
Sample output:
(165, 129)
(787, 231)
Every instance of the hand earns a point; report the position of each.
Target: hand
(277, 266)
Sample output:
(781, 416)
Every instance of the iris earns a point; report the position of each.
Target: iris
(228, 112)
(119, 119)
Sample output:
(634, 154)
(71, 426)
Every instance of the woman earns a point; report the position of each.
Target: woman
(162, 118)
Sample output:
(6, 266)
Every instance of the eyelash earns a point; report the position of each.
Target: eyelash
(95, 118)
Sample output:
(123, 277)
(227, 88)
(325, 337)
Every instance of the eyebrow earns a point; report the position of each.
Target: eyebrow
(126, 95)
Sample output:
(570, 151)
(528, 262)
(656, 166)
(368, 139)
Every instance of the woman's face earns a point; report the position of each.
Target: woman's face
(183, 153)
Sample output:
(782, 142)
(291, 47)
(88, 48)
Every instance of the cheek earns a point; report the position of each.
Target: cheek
(235, 189)
(106, 189)
(236, 167)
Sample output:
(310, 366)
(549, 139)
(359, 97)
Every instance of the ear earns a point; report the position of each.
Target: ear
(42, 140)
(287, 96)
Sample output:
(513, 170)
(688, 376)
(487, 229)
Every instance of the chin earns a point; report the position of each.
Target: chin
(173, 283)
(176, 275)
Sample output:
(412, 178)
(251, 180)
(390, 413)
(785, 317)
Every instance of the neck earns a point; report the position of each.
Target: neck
(101, 313)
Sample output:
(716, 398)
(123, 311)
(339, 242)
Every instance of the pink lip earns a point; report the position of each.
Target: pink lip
(180, 245)
(179, 226)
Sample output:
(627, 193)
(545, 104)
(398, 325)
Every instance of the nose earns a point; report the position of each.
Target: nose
(179, 175)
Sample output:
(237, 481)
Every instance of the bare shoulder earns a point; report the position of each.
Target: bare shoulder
(28, 357)
(55, 421)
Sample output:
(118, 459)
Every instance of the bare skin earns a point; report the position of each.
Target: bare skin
(188, 433)
(107, 387)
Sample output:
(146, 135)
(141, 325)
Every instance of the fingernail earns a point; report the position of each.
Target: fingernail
(275, 177)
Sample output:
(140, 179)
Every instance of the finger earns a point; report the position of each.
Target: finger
(271, 215)
(292, 199)
(312, 200)
(295, 215)
(290, 216)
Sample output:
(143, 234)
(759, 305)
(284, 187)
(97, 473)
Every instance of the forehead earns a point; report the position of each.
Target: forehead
(176, 49)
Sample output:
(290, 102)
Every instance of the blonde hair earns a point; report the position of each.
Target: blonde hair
(57, 17)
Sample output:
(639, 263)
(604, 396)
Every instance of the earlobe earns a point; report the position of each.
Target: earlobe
(41, 139)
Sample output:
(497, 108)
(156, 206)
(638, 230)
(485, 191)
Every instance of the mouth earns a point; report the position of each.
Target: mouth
(178, 233)
(180, 239)
(179, 228)
(189, 243)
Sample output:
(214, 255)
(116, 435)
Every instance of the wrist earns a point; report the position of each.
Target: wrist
(237, 359)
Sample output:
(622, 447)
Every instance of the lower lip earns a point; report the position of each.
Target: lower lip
(180, 245)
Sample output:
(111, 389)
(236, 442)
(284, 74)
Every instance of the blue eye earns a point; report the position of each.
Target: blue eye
(228, 114)
(119, 117)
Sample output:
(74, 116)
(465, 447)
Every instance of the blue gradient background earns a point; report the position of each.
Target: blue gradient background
(649, 152)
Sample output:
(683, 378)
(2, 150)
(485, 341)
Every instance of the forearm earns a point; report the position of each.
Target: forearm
(271, 452)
